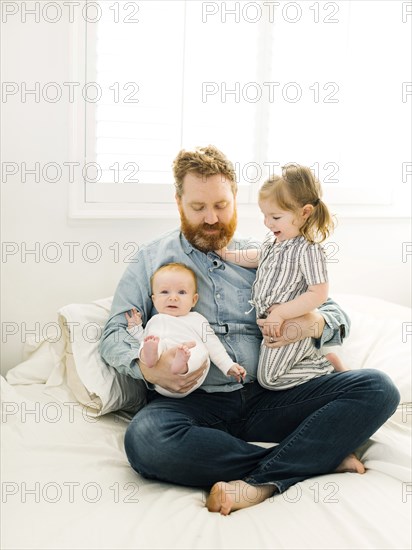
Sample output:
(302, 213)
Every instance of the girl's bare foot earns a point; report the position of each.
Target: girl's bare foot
(235, 495)
(336, 362)
(179, 364)
(149, 354)
(351, 464)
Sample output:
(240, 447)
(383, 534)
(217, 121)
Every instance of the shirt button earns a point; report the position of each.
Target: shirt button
(217, 295)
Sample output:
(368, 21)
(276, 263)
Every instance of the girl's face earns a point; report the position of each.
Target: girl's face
(283, 223)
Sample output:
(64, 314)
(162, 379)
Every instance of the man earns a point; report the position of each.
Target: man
(203, 439)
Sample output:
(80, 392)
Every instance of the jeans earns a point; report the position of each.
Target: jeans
(205, 437)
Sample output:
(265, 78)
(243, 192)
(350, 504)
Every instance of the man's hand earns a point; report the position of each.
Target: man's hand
(161, 373)
(310, 325)
(273, 324)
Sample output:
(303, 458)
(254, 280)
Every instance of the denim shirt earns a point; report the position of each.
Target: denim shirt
(224, 292)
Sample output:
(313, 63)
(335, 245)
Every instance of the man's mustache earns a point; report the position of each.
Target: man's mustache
(216, 225)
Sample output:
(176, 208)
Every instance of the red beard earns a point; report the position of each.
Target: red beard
(206, 242)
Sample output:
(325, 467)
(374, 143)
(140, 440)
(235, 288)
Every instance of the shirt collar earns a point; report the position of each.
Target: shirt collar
(289, 242)
(186, 245)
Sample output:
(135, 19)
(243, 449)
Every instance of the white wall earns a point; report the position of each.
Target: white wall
(369, 254)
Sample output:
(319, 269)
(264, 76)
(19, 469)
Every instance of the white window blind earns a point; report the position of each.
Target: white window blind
(318, 83)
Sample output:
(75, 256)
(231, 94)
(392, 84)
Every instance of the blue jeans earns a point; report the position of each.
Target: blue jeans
(204, 437)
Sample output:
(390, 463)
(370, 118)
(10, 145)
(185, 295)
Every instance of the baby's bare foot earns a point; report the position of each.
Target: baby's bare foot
(351, 464)
(235, 495)
(179, 364)
(336, 362)
(149, 354)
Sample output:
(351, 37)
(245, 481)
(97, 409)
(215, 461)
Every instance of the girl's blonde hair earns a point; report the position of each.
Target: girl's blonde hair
(296, 187)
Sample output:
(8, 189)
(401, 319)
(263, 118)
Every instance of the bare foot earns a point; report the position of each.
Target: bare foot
(149, 354)
(235, 495)
(351, 464)
(336, 362)
(179, 364)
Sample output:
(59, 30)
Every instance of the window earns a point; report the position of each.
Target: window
(322, 84)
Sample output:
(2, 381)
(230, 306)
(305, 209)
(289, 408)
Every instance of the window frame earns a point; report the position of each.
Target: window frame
(348, 202)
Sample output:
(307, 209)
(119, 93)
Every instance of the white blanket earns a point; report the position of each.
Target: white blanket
(66, 482)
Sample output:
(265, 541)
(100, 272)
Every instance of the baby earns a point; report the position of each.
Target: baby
(174, 288)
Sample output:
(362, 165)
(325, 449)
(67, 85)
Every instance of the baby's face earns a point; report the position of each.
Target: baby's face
(174, 292)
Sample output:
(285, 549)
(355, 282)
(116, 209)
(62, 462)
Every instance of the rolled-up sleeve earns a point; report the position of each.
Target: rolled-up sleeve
(337, 325)
(117, 347)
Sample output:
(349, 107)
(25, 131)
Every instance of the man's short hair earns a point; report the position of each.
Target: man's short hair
(205, 161)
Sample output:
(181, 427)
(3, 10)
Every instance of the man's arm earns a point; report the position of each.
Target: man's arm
(336, 325)
(117, 347)
(329, 324)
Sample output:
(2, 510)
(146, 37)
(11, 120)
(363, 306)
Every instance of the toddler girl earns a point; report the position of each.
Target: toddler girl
(291, 278)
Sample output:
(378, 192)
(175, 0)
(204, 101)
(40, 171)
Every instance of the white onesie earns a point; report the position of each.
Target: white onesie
(173, 331)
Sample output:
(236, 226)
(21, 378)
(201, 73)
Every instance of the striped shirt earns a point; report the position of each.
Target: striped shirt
(285, 271)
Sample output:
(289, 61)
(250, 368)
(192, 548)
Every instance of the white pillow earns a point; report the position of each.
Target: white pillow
(40, 359)
(71, 365)
(93, 382)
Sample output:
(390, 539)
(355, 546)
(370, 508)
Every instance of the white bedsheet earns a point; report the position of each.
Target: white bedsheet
(66, 484)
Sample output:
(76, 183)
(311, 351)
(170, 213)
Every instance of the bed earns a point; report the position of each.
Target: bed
(66, 482)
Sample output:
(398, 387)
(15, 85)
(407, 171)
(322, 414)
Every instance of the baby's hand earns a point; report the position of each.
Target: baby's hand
(133, 320)
(237, 371)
